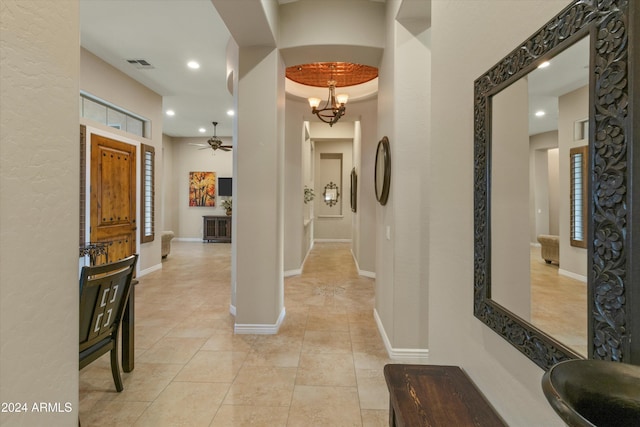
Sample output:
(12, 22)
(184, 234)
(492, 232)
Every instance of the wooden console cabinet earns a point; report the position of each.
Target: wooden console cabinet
(216, 228)
(431, 395)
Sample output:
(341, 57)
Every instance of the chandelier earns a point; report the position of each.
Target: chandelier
(333, 74)
(333, 109)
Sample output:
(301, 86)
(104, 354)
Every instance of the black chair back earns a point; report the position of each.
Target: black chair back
(104, 291)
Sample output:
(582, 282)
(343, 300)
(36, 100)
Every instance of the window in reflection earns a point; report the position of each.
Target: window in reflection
(578, 167)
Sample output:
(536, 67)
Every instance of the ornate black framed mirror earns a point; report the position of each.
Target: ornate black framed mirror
(612, 242)
(383, 171)
(330, 194)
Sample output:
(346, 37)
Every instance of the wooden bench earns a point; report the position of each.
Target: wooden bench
(431, 395)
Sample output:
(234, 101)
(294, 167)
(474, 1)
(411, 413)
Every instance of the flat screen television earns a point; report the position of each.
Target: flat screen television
(224, 186)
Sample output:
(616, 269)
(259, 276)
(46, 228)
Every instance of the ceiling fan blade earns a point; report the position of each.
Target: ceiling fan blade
(198, 145)
(225, 148)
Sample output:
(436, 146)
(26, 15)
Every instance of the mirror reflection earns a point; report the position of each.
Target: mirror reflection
(538, 214)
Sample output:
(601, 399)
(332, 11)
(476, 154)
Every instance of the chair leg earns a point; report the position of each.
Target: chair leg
(115, 367)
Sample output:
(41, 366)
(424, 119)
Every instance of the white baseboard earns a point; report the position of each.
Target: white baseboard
(409, 355)
(290, 273)
(364, 273)
(149, 270)
(332, 240)
(260, 329)
(573, 275)
(189, 239)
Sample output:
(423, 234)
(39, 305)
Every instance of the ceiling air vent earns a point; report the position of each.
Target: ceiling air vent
(140, 64)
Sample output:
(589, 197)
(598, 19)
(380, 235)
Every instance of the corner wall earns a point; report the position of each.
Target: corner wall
(401, 236)
(39, 221)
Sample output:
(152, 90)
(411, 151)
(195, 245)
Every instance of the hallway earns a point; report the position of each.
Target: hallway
(324, 367)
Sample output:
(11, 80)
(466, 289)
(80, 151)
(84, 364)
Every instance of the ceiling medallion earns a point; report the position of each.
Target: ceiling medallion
(331, 74)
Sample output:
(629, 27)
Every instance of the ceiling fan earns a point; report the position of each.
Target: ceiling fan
(214, 142)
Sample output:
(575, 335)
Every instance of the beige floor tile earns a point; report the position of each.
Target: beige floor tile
(375, 418)
(229, 342)
(173, 350)
(149, 381)
(262, 386)
(147, 336)
(327, 321)
(324, 406)
(184, 404)
(372, 389)
(279, 358)
(212, 366)
(251, 416)
(326, 342)
(320, 369)
(326, 369)
(111, 414)
(367, 360)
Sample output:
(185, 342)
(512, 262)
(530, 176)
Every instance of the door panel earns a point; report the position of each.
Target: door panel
(113, 197)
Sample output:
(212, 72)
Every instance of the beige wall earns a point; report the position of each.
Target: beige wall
(333, 163)
(469, 37)
(187, 220)
(297, 163)
(572, 107)
(170, 186)
(510, 253)
(543, 185)
(357, 24)
(365, 142)
(401, 234)
(39, 168)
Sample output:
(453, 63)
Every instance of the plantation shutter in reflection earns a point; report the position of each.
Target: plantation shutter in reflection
(148, 193)
(578, 173)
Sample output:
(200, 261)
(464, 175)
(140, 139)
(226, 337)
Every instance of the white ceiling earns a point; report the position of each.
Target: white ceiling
(167, 34)
(170, 33)
(567, 72)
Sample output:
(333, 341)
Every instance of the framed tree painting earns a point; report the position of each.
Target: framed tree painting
(202, 189)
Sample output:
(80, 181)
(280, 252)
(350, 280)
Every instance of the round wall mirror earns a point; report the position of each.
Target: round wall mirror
(383, 171)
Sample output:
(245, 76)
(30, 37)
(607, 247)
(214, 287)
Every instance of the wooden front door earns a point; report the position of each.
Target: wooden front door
(113, 197)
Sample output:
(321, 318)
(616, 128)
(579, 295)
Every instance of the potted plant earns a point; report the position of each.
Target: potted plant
(308, 194)
(227, 204)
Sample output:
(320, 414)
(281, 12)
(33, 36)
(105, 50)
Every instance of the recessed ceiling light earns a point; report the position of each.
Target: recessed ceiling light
(540, 113)
(193, 64)
(545, 64)
(230, 113)
(202, 130)
(171, 113)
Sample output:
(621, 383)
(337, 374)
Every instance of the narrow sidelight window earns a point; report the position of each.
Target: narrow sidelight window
(148, 193)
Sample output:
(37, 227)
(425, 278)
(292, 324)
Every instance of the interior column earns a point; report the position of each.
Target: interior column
(258, 201)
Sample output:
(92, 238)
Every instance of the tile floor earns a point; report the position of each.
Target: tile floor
(558, 304)
(324, 367)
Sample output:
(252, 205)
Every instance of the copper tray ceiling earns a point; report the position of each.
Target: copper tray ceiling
(319, 73)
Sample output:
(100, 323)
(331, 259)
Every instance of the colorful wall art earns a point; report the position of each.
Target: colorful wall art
(202, 189)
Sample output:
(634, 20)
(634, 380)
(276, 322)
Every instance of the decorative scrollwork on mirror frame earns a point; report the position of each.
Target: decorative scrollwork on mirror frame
(612, 281)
